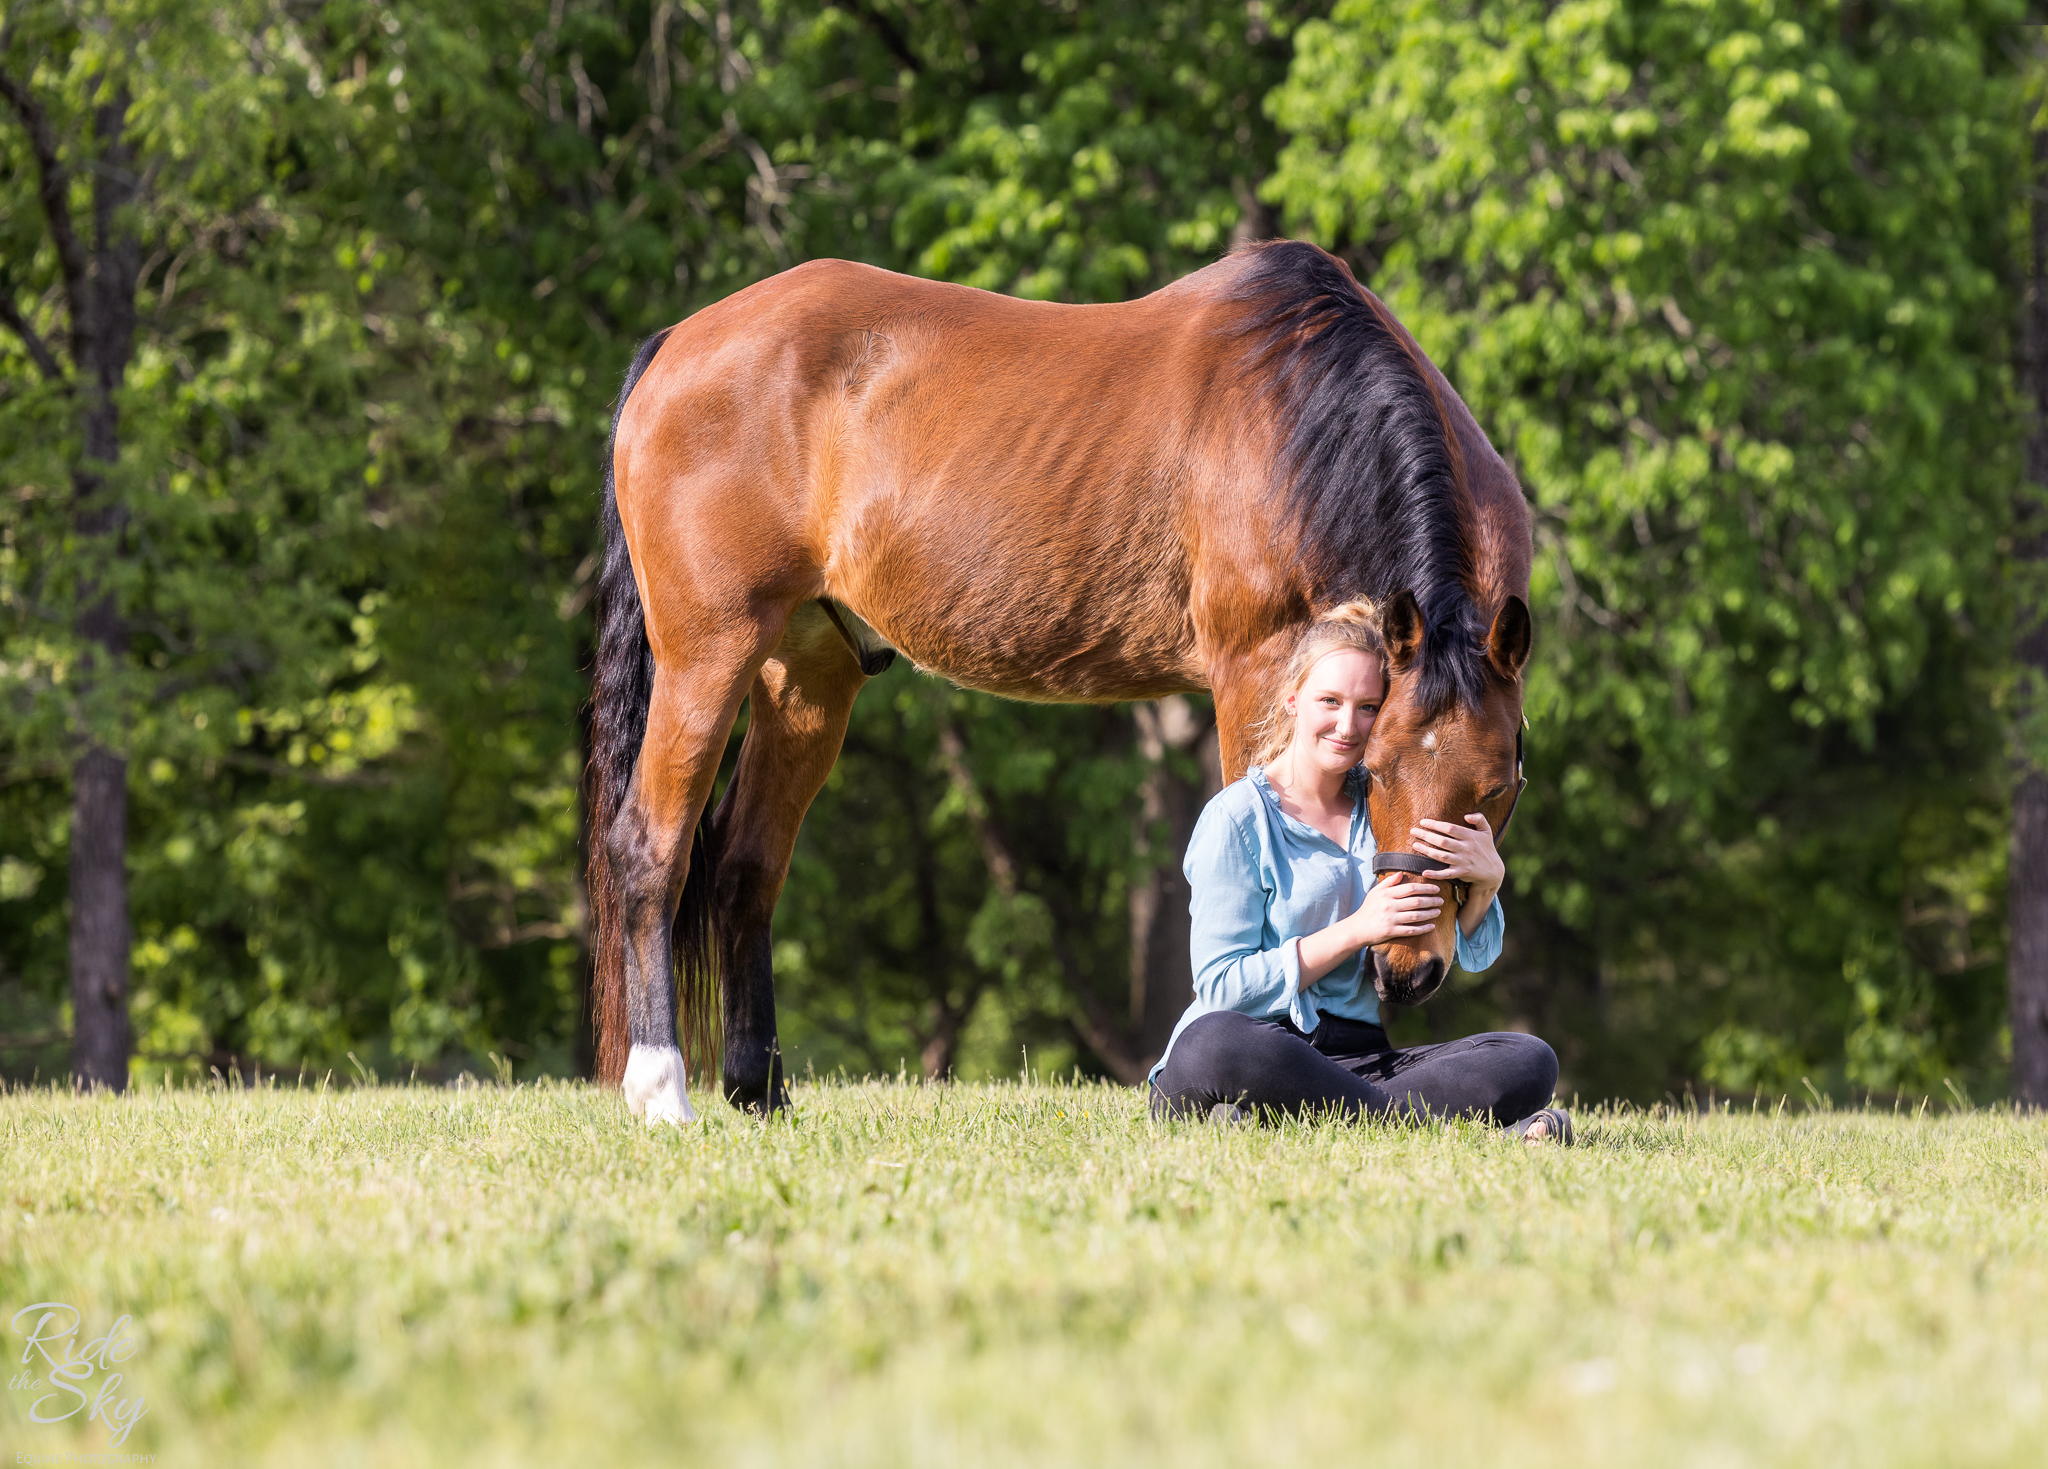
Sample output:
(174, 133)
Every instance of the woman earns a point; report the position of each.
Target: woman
(1285, 1018)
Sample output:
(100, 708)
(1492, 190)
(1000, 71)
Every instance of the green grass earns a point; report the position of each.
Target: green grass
(993, 1275)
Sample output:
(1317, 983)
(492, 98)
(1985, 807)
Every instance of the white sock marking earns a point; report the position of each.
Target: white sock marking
(656, 1085)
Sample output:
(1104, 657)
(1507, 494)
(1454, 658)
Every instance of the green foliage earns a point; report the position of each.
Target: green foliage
(402, 256)
(1025, 1275)
(1734, 293)
(1117, 150)
(247, 565)
(1732, 290)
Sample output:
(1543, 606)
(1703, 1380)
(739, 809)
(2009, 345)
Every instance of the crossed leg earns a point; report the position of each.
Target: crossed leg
(1227, 1058)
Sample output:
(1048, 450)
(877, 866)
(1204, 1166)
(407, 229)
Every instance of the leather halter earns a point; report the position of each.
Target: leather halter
(1422, 866)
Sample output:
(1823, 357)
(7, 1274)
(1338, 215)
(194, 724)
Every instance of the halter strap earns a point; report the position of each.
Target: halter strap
(1400, 862)
(1409, 862)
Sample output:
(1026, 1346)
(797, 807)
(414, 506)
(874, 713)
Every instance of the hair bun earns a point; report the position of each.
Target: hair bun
(1358, 612)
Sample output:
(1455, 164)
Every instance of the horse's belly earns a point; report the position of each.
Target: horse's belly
(1091, 628)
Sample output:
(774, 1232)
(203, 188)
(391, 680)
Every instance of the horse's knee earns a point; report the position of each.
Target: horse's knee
(639, 866)
(746, 890)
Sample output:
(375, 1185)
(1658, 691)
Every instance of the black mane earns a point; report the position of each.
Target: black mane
(1367, 469)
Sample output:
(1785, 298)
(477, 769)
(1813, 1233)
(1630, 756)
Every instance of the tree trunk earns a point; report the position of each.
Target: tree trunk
(2027, 875)
(2027, 914)
(100, 280)
(103, 343)
(1162, 976)
(99, 920)
(943, 1044)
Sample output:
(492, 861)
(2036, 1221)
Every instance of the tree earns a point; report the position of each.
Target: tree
(1732, 292)
(98, 266)
(185, 556)
(389, 266)
(651, 160)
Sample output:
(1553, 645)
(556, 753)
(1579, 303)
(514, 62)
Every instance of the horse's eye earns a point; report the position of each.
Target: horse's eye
(1495, 794)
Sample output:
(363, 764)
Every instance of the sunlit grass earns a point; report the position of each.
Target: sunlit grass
(1004, 1274)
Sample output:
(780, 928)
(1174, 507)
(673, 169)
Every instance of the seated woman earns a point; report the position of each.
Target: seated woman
(1285, 1018)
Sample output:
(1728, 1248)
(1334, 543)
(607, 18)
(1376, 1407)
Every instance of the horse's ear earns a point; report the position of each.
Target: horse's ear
(1401, 626)
(1507, 641)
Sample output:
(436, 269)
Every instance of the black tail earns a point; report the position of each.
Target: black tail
(621, 688)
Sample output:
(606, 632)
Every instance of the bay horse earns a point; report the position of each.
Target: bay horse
(1044, 501)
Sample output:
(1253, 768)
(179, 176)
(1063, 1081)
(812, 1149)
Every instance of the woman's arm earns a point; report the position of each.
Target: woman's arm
(1479, 945)
(1227, 920)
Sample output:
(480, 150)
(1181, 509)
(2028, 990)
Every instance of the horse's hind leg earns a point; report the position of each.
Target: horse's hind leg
(688, 717)
(796, 720)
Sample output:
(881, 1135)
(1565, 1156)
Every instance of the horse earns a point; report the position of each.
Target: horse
(1075, 503)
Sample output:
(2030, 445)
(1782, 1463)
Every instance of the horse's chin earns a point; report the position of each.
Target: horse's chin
(1422, 979)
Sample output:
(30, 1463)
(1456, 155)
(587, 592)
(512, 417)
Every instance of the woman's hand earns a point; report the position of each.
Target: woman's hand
(1463, 854)
(1404, 909)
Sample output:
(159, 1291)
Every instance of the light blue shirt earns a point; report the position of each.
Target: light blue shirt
(1261, 880)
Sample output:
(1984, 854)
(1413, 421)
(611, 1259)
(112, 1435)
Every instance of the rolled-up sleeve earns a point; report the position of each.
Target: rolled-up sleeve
(1482, 946)
(1232, 968)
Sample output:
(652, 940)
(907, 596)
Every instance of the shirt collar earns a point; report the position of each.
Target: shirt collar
(1355, 785)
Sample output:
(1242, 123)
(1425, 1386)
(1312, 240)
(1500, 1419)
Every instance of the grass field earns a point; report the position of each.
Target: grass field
(1024, 1274)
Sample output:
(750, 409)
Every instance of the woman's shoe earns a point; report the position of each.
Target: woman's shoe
(1551, 1125)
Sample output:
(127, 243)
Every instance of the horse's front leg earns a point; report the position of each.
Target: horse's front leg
(1245, 683)
(797, 714)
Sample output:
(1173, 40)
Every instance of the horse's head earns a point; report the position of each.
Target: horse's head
(1447, 741)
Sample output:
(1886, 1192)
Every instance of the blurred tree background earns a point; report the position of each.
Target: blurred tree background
(1734, 285)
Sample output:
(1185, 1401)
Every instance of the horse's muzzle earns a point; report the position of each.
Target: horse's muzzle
(1424, 980)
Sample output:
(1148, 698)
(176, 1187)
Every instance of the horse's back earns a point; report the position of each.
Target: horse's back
(995, 485)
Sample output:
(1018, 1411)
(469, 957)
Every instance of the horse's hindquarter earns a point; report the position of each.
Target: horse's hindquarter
(1001, 485)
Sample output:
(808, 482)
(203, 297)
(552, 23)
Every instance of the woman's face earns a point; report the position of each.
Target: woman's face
(1334, 708)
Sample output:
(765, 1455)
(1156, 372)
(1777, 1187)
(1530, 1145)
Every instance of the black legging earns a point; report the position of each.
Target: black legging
(1348, 1067)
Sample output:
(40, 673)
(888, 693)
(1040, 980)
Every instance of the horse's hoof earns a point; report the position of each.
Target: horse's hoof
(656, 1086)
(753, 1081)
(759, 1104)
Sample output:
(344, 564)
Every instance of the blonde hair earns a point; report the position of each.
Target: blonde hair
(1354, 625)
